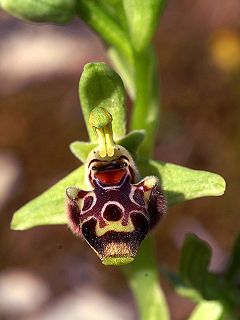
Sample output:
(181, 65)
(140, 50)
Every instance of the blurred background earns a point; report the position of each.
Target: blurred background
(46, 273)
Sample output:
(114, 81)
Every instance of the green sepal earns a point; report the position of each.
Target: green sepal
(49, 207)
(100, 86)
(181, 183)
(56, 11)
(131, 142)
(142, 19)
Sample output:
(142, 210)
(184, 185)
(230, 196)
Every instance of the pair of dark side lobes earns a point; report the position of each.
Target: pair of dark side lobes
(117, 213)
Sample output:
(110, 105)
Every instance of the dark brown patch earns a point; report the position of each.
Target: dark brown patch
(140, 223)
(112, 213)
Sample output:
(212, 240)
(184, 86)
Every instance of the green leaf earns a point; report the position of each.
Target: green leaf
(197, 283)
(194, 262)
(181, 183)
(48, 208)
(210, 310)
(57, 11)
(143, 278)
(102, 87)
(142, 19)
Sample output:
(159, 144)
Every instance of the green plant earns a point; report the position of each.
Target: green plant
(119, 23)
(217, 294)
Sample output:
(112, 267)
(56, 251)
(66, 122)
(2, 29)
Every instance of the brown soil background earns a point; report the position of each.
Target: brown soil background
(40, 116)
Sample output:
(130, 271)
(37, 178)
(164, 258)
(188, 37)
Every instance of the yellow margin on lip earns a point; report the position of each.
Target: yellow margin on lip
(114, 226)
(116, 261)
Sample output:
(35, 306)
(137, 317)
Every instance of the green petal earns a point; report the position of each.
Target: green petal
(102, 87)
(57, 11)
(81, 149)
(132, 141)
(48, 208)
(142, 18)
(181, 183)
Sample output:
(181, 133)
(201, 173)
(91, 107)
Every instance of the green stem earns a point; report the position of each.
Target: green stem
(96, 16)
(147, 104)
(142, 273)
(142, 276)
